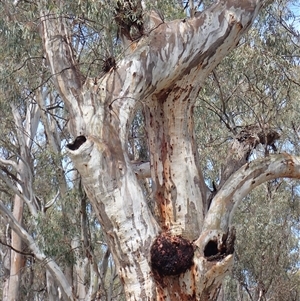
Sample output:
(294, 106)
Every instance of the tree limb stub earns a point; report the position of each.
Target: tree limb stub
(247, 139)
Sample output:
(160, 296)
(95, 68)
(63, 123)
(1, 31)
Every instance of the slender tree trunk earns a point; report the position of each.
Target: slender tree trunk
(52, 289)
(5, 287)
(17, 261)
(24, 175)
(5, 257)
(80, 268)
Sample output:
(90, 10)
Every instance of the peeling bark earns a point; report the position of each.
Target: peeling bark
(163, 72)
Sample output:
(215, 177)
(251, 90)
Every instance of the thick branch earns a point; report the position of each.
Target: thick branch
(68, 80)
(182, 47)
(179, 187)
(245, 180)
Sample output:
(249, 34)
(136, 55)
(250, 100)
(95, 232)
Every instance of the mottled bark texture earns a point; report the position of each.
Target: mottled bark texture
(162, 71)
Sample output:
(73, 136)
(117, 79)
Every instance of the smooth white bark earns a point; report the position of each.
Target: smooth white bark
(163, 71)
(249, 176)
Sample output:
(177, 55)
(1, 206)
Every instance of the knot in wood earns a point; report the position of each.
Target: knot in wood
(171, 255)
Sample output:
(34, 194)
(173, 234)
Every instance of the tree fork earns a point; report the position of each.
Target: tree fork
(164, 71)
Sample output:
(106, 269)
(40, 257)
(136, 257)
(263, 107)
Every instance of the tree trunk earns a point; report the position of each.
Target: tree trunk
(5, 258)
(26, 130)
(185, 252)
(17, 261)
(56, 273)
(23, 168)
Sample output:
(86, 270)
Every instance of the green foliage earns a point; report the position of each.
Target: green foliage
(137, 140)
(258, 83)
(57, 228)
(267, 248)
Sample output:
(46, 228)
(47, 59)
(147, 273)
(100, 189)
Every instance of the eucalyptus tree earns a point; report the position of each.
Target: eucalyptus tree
(182, 246)
(267, 222)
(48, 206)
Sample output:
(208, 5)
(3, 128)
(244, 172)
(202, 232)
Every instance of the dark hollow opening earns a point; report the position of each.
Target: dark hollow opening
(211, 249)
(76, 143)
(108, 64)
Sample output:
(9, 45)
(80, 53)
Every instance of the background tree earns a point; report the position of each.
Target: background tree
(259, 220)
(87, 83)
(34, 170)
